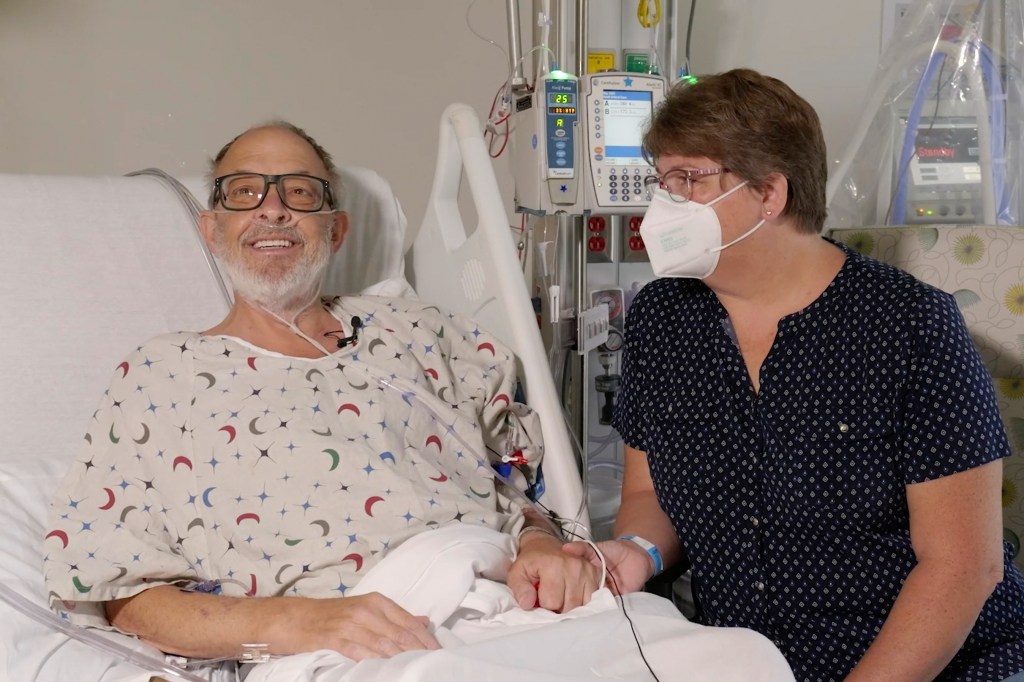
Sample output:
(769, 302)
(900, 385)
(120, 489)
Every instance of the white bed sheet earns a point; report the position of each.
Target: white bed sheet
(486, 636)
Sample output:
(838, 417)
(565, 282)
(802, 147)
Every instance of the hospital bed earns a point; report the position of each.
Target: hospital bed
(94, 265)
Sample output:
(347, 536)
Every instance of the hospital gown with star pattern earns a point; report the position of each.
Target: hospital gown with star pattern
(219, 466)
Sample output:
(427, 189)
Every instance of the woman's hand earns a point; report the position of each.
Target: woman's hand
(629, 567)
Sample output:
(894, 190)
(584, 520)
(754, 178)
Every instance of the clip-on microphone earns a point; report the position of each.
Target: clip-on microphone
(343, 341)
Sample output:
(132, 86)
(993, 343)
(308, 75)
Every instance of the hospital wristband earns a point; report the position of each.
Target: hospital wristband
(649, 547)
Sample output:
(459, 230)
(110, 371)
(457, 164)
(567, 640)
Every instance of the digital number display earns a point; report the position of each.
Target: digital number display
(561, 99)
(562, 110)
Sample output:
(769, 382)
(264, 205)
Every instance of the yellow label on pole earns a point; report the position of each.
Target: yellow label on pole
(600, 61)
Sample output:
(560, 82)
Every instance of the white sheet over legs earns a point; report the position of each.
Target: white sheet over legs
(487, 637)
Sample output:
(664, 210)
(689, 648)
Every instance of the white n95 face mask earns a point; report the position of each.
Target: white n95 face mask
(684, 238)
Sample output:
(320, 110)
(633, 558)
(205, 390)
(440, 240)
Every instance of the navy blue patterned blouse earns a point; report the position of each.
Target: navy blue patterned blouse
(791, 503)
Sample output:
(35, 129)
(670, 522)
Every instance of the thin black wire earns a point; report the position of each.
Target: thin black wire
(689, 32)
(901, 172)
(622, 606)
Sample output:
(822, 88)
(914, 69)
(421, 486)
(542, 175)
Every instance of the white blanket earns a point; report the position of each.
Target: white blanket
(455, 575)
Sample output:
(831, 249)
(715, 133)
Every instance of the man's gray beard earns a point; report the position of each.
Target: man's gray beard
(288, 294)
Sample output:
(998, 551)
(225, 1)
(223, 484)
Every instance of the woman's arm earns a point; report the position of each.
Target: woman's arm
(956, 532)
(642, 516)
(629, 566)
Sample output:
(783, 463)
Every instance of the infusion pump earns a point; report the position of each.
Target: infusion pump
(618, 106)
(577, 143)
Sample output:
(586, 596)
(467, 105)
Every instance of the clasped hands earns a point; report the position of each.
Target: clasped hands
(546, 573)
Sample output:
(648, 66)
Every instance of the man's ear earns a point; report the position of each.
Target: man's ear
(339, 230)
(208, 227)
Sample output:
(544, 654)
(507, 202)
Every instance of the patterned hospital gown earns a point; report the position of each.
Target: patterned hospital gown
(223, 467)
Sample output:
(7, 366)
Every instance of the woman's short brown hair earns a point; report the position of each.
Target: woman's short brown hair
(752, 124)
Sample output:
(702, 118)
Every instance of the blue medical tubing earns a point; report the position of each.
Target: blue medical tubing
(997, 124)
(994, 94)
(899, 212)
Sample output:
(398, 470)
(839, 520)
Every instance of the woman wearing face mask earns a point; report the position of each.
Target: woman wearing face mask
(812, 429)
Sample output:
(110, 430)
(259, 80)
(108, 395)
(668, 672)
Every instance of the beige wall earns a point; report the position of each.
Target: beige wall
(826, 50)
(110, 86)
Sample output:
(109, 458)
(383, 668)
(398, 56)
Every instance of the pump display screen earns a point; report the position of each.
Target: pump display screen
(561, 103)
(625, 114)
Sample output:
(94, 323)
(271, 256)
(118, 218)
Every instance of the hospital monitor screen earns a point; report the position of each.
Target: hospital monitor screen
(625, 114)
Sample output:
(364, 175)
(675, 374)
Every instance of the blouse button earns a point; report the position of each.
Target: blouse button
(843, 428)
(760, 587)
(755, 522)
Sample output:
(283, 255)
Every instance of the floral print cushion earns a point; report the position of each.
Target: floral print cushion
(1010, 393)
(983, 268)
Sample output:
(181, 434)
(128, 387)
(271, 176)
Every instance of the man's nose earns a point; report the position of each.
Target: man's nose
(273, 209)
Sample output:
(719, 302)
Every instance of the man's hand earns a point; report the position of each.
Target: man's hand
(366, 626)
(545, 575)
(629, 567)
(210, 626)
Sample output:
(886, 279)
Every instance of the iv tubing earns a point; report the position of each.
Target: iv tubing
(411, 390)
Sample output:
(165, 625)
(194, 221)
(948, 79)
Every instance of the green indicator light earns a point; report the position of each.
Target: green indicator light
(689, 80)
(559, 75)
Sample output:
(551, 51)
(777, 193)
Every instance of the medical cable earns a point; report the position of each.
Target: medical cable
(584, 464)
(685, 69)
(608, 576)
(523, 245)
(902, 170)
(493, 121)
(544, 22)
(413, 392)
(410, 392)
(145, 661)
(480, 35)
(498, 115)
(342, 341)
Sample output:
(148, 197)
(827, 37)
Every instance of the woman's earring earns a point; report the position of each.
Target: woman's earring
(768, 212)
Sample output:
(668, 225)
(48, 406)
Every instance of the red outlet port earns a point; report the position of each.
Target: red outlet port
(636, 243)
(596, 243)
(596, 224)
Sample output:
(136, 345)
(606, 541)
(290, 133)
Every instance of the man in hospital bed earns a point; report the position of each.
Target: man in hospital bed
(285, 452)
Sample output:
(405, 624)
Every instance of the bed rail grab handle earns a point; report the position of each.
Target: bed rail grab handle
(462, 147)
